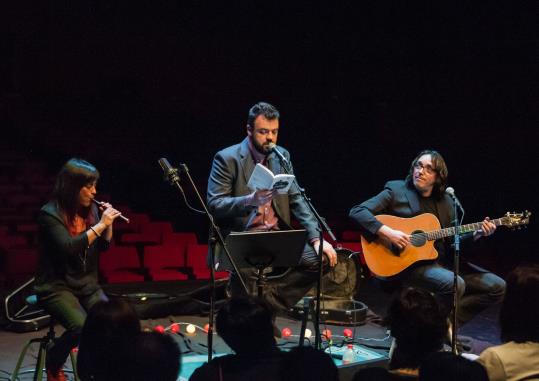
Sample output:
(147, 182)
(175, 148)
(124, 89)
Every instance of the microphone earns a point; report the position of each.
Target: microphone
(451, 192)
(171, 173)
(273, 148)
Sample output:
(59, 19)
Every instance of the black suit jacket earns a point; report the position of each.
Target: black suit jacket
(398, 199)
(228, 192)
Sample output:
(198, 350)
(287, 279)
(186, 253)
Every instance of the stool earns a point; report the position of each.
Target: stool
(44, 342)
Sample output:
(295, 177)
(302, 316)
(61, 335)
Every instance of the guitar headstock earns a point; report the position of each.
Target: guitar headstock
(516, 220)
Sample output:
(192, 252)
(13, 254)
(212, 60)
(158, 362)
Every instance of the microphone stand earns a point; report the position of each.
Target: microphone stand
(285, 165)
(174, 179)
(456, 261)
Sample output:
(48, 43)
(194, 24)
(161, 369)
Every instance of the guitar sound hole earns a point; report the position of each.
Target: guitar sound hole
(419, 238)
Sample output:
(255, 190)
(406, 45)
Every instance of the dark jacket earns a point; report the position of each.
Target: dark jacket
(399, 199)
(61, 256)
(228, 192)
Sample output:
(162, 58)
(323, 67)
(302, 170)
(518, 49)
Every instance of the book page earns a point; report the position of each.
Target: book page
(282, 183)
(261, 178)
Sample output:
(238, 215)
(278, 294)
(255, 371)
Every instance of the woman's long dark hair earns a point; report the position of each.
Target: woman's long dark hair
(75, 174)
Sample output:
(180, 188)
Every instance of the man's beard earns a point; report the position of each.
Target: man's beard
(264, 150)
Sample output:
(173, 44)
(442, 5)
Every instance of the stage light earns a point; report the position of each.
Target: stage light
(175, 328)
(347, 332)
(327, 333)
(308, 332)
(286, 332)
(190, 329)
(159, 328)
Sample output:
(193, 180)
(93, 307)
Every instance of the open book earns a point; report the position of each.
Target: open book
(263, 178)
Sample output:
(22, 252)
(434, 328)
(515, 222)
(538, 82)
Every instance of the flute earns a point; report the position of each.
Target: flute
(99, 203)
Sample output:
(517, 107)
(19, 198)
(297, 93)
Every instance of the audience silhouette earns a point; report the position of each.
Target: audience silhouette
(518, 357)
(109, 329)
(419, 326)
(246, 326)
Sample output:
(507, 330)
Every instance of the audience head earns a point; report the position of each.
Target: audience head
(309, 364)
(246, 324)
(107, 331)
(446, 366)
(419, 325)
(518, 321)
(152, 356)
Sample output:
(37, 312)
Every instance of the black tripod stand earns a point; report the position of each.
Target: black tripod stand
(323, 226)
(456, 264)
(171, 174)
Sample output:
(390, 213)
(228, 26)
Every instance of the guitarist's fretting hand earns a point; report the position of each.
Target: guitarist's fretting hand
(396, 237)
(487, 228)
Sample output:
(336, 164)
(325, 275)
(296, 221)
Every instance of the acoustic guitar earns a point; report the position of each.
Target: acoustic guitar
(385, 259)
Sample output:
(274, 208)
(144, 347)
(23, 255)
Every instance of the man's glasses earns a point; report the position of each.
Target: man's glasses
(427, 168)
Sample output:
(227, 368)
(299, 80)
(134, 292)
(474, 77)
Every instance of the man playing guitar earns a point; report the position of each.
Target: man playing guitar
(423, 191)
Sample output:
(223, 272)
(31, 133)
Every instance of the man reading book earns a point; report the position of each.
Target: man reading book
(236, 207)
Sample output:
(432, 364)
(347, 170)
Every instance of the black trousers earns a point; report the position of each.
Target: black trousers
(70, 311)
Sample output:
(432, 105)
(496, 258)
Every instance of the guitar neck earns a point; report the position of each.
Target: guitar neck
(449, 232)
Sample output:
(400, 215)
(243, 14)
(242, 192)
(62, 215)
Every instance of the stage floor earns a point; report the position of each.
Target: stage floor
(372, 343)
(371, 338)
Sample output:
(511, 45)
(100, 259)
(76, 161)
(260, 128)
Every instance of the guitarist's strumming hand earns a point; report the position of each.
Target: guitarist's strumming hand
(487, 228)
(396, 237)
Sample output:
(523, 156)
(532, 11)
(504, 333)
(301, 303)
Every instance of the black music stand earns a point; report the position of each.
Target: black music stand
(281, 248)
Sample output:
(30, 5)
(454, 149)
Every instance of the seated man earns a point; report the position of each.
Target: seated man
(424, 191)
(237, 208)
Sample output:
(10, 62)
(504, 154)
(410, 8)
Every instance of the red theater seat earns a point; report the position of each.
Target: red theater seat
(21, 263)
(196, 259)
(180, 240)
(13, 242)
(351, 236)
(160, 228)
(137, 221)
(121, 264)
(164, 262)
(141, 239)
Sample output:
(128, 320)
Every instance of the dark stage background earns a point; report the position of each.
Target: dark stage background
(361, 89)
